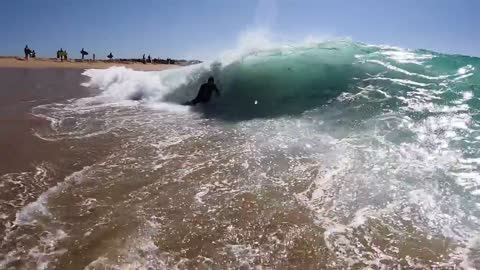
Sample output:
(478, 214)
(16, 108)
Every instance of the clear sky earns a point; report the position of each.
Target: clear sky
(201, 28)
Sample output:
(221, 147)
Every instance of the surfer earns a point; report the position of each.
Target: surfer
(205, 92)
(83, 53)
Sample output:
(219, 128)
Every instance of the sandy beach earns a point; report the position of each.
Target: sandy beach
(16, 62)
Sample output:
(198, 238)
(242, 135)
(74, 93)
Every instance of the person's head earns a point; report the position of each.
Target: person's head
(211, 80)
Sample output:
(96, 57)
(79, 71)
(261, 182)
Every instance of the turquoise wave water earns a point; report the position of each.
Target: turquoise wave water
(292, 80)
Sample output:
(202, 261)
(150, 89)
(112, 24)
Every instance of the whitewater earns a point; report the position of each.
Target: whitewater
(335, 154)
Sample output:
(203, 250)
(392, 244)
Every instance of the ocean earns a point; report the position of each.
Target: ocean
(330, 155)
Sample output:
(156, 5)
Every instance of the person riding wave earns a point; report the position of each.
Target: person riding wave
(205, 92)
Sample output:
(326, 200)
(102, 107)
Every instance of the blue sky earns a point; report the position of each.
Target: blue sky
(203, 28)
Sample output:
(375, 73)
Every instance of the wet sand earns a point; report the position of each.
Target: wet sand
(21, 90)
(30, 165)
(15, 62)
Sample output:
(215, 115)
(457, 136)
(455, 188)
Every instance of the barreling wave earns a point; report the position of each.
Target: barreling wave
(291, 80)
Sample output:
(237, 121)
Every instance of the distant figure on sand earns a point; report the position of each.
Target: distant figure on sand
(110, 56)
(93, 57)
(33, 54)
(205, 92)
(83, 53)
(143, 59)
(27, 52)
(149, 59)
(62, 54)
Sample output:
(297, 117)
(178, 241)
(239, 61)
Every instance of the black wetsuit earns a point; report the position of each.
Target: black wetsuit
(205, 93)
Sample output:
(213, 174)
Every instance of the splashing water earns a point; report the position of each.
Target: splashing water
(335, 154)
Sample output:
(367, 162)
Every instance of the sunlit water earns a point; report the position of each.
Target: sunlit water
(335, 155)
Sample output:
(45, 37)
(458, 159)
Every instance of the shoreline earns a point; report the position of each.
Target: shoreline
(23, 90)
(42, 63)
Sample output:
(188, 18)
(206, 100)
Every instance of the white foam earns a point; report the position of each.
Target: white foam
(43, 253)
(140, 252)
(169, 107)
(397, 69)
(120, 83)
(466, 69)
(467, 95)
(30, 213)
(199, 196)
(407, 57)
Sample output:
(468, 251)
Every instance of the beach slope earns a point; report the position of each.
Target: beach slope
(15, 62)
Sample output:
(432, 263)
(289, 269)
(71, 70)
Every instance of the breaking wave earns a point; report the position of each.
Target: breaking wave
(333, 154)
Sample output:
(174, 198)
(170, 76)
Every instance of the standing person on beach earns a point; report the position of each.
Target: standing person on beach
(83, 53)
(27, 52)
(143, 59)
(65, 55)
(60, 54)
(149, 59)
(93, 57)
(110, 56)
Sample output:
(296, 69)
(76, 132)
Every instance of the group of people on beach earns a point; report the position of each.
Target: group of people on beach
(29, 53)
(148, 60)
(62, 55)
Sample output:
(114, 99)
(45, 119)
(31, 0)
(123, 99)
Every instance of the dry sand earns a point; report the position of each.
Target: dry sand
(15, 62)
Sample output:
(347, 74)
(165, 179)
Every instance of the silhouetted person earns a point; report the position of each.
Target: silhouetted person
(83, 53)
(149, 59)
(65, 55)
(110, 56)
(27, 52)
(61, 54)
(205, 92)
(93, 57)
(143, 59)
(33, 54)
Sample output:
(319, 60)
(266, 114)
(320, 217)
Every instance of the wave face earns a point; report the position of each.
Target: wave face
(326, 156)
(291, 80)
